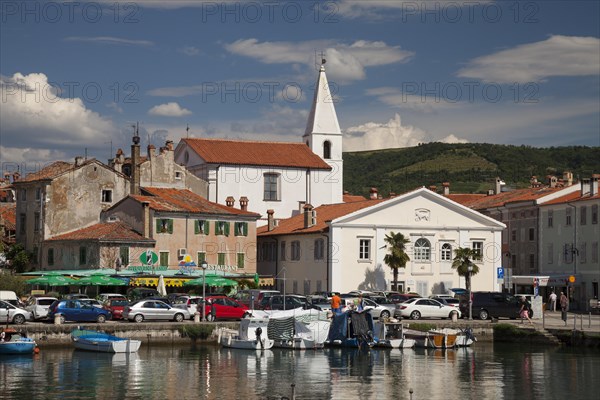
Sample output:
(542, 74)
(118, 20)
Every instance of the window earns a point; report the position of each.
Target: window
(22, 222)
(531, 262)
(513, 235)
(295, 250)
(23, 194)
(107, 196)
(178, 175)
(82, 255)
(568, 216)
(36, 221)
(241, 229)
(50, 256)
(319, 249)
(38, 194)
(240, 260)
(446, 252)
(550, 253)
(582, 252)
(222, 228)
(550, 218)
(201, 256)
(568, 253)
(583, 215)
(271, 192)
(282, 250)
(364, 249)
(478, 250)
(164, 225)
(595, 214)
(35, 254)
(531, 234)
(594, 252)
(327, 149)
(163, 258)
(422, 250)
(201, 227)
(221, 258)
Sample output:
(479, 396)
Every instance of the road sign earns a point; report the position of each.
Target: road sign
(572, 279)
(500, 273)
(148, 257)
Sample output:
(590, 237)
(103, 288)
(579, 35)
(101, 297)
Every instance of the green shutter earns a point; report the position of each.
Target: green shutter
(245, 229)
(170, 226)
(216, 227)
(226, 228)
(240, 260)
(206, 229)
(197, 226)
(158, 225)
(236, 229)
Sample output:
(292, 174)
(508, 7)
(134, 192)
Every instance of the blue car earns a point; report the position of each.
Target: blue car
(78, 311)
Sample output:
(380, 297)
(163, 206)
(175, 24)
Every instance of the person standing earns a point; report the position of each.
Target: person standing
(553, 301)
(564, 304)
(360, 304)
(524, 310)
(335, 304)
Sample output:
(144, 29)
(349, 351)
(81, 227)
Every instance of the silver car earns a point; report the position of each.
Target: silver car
(10, 313)
(38, 306)
(154, 310)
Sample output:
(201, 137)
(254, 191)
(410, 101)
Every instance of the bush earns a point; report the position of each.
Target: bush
(15, 283)
(194, 332)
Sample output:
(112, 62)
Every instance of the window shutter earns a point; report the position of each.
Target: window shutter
(236, 229)
(206, 229)
(245, 229)
(197, 226)
(158, 226)
(216, 227)
(226, 228)
(170, 226)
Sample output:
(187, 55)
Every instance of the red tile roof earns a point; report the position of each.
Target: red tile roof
(183, 200)
(350, 198)
(503, 198)
(50, 172)
(108, 231)
(238, 152)
(325, 213)
(465, 199)
(8, 213)
(572, 197)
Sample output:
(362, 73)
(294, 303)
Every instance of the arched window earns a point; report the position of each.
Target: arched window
(422, 250)
(446, 252)
(327, 149)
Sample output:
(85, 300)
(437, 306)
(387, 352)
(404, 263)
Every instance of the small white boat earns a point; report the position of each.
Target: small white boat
(298, 329)
(464, 337)
(13, 342)
(391, 336)
(252, 335)
(434, 339)
(103, 342)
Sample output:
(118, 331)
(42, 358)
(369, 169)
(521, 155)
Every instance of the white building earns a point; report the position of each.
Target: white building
(341, 247)
(274, 175)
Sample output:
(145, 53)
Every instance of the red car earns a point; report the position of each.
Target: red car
(116, 306)
(225, 308)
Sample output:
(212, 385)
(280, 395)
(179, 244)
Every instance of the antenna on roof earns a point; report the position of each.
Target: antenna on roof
(85, 158)
(136, 133)
(187, 131)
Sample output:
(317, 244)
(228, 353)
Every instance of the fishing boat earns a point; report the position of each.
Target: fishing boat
(15, 342)
(352, 329)
(298, 329)
(391, 336)
(249, 336)
(434, 339)
(102, 342)
(464, 337)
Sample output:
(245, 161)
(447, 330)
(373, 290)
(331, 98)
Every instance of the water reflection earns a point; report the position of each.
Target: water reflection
(187, 372)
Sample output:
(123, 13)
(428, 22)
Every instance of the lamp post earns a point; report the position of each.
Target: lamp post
(204, 265)
(470, 269)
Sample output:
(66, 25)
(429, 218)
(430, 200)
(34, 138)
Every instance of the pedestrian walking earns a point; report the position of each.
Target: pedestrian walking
(553, 301)
(524, 310)
(564, 304)
(335, 304)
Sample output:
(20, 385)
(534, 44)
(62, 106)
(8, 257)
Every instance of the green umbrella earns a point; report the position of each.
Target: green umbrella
(52, 280)
(212, 281)
(100, 280)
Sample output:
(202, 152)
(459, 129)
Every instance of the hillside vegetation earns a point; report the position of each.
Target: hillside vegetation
(470, 167)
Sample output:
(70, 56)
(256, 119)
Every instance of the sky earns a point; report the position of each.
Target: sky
(75, 76)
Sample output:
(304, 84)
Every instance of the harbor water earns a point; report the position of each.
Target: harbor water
(485, 371)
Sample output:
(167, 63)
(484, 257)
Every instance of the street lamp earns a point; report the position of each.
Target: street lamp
(204, 265)
(470, 270)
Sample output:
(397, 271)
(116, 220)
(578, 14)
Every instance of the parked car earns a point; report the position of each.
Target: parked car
(11, 313)
(488, 305)
(154, 310)
(91, 302)
(116, 307)
(78, 311)
(450, 301)
(139, 293)
(400, 298)
(420, 307)
(225, 308)
(248, 295)
(173, 296)
(38, 306)
(76, 296)
(386, 303)
(107, 296)
(189, 303)
(292, 301)
(10, 297)
(376, 310)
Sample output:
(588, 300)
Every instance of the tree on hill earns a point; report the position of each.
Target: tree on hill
(397, 257)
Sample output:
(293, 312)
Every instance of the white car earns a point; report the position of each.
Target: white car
(419, 307)
(189, 303)
(38, 306)
(10, 313)
(376, 310)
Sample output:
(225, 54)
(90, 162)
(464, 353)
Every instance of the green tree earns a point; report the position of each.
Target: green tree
(463, 259)
(397, 257)
(18, 258)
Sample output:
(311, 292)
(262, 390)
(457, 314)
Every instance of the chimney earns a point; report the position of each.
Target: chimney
(594, 184)
(134, 182)
(499, 184)
(585, 186)
(308, 216)
(373, 193)
(229, 201)
(534, 182)
(433, 188)
(270, 219)
(147, 225)
(78, 161)
(151, 151)
(552, 181)
(244, 203)
(446, 186)
(568, 178)
(169, 145)
(392, 195)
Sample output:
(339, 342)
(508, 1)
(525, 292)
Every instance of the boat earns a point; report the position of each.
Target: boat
(464, 337)
(433, 339)
(15, 342)
(352, 329)
(249, 336)
(91, 340)
(298, 329)
(391, 336)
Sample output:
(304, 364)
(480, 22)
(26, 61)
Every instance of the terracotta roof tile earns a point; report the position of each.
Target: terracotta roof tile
(572, 197)
(8, 213)
(512, 196)
(166, 199)
(350, 198)
(325, 213)
(104, 231)
(465, 199)
(49, 172)
(238, 152)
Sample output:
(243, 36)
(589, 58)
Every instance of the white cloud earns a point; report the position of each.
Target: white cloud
(453, 139)
(556, 56)
(374, 135)
(427, 102)
(189, 51)
(109, 40)
(115, 107)
(36, 121)
(348, 61)
(171, 109)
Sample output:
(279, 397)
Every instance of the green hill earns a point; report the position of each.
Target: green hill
(470, 167)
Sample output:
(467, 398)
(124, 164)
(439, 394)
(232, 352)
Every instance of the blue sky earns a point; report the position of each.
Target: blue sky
(77, 75)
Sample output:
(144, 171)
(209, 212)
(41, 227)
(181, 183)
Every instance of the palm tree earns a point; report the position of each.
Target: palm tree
(397, 257)
(463, 259)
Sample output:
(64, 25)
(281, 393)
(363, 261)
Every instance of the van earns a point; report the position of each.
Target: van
(246, 297)
(10, 297)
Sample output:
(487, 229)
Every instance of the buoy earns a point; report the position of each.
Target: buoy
(36, 350)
